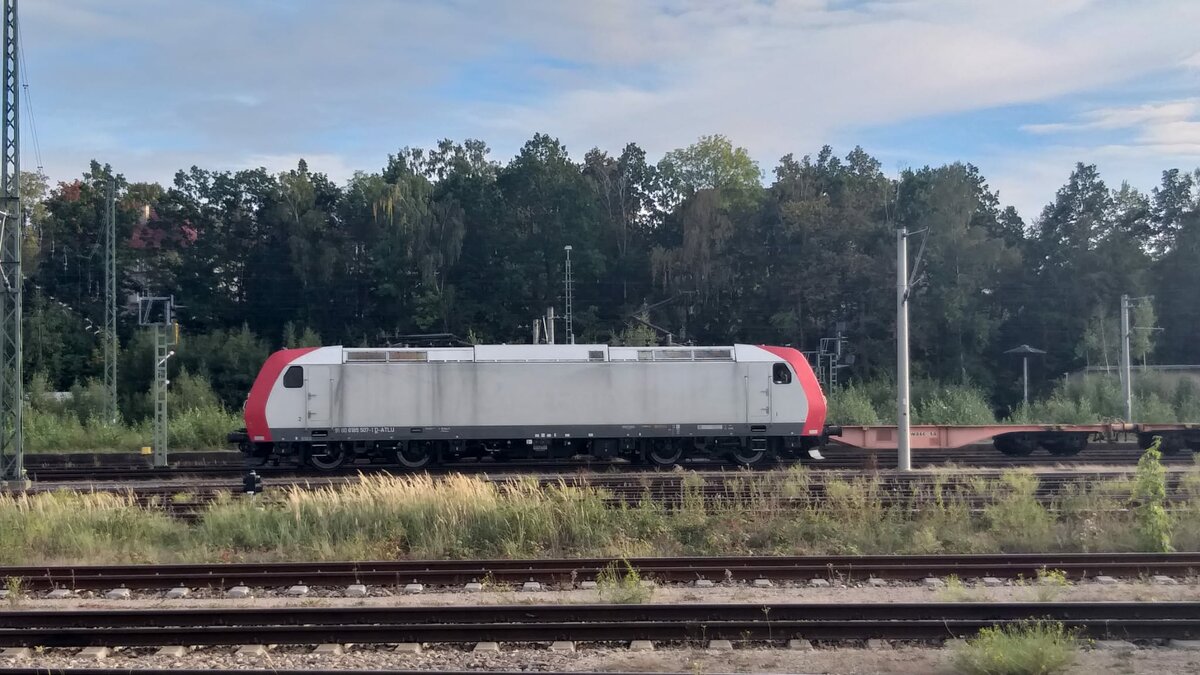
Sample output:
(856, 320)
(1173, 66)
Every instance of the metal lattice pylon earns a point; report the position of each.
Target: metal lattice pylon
(110, 302)
(159, 314)
(569, 284)
(12, 460)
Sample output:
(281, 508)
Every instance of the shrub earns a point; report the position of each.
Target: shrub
(87, 400)
(16, 591)
(1032, 648)
(1017, 521)
(959, 404)
(200, 428)
(192, 392)
(1049, 584)
(851, 405)
(1149, 496)
(620, 583)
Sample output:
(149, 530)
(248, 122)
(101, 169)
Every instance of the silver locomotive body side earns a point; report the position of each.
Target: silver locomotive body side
(493, 396)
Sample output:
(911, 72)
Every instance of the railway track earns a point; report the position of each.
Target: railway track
(569, 572)
(216, 464)
(580, 623)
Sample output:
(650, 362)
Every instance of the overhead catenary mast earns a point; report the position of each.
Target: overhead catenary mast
(12, 458)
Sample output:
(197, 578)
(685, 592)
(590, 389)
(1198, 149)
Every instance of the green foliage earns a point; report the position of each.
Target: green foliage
(1148, 499)
(959, 404)
(1017, 521)
(874, 402)
(16, 592)
(620, 583)
(1050, 584)
(712, 163)
(1093, 398)
(637, 335)
(189, 392)
(956, 591)
(851, 405)
(448, 239)
(196, 420)
(1031, 648)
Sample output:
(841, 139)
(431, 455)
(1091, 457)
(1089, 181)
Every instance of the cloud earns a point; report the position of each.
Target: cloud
(1029, 179)
(1164, 128)
(154, 87)
(786, 76)
(1148, 114)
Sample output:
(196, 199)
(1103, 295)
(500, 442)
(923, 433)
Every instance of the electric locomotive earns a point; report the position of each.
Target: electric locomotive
(328, 406)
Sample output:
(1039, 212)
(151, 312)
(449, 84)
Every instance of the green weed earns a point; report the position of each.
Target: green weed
(620, 583)
(1031, 648)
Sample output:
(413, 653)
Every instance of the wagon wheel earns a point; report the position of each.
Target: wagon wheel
(412, 455)
(1065, 445)
(329, 458)
(664, 452)
(1014, 445)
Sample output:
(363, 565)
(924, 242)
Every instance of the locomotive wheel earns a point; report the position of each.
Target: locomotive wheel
(330, 458)
(664, 453)
(748, 456)
(412, 455)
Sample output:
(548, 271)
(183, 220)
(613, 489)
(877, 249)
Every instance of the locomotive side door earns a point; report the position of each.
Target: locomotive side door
(758, 392)
(318, 386)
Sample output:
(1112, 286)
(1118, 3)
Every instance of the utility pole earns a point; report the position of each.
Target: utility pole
(567, 282)
(110, 302)
(903, 451)
(12, 394)
(159, 314)
(1126, 368)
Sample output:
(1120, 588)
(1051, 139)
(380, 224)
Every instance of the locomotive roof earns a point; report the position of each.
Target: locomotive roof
(536, 353)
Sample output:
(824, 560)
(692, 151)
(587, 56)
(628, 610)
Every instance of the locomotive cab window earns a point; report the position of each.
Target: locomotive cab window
(781, 374)
(293, 378)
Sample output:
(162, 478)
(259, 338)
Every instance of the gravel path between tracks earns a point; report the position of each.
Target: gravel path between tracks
(900, 659)
(1184, 590)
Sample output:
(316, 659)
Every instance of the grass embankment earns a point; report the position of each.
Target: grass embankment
(459, 516)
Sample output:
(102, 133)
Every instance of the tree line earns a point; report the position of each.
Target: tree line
(702, 244)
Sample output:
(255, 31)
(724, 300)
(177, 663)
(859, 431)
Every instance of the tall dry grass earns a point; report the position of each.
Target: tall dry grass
(779, 512)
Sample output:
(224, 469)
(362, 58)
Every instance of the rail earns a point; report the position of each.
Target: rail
(581, 623)
(571, 571)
